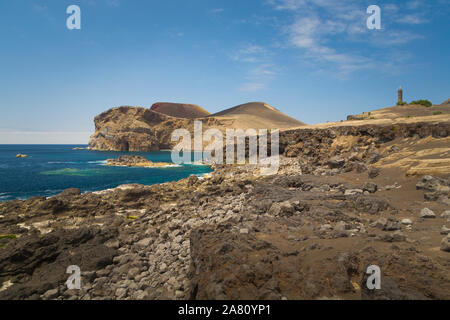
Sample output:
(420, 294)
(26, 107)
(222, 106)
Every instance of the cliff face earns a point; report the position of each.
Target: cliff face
(132, 129)
(138, 129)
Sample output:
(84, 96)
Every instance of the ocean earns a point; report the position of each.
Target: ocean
(49, 169)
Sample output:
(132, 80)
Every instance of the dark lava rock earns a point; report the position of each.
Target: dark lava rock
(370, 187)
(37, 264)
(336, 162)
(374, 172)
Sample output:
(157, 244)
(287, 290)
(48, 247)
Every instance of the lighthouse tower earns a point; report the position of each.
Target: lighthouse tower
(400, 95)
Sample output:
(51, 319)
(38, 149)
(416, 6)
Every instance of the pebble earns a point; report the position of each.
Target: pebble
(342, 226)
(163, 268)
(121, 292)
(50, 294)
(352, 192)
(407, 222)
(145, 242)
(426, 213)
(445, 230)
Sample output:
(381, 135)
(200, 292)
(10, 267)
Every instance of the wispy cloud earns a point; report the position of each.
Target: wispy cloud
(259, 70)
(216, 10)
(39, 8)
(327, 32)
(249, 53)
(252, 86)
(175, 34)
(113, 3)
(412, 19)
(44, 12)
(259, 77)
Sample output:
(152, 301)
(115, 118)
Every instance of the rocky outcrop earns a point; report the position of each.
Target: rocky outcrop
(137, 129)
(132, 129)
(140, 129)
(360, 148)
(135, 161)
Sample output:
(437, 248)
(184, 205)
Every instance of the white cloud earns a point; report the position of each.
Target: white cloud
(411, 19)
(310, 34)
(328, 32)
(264, 70)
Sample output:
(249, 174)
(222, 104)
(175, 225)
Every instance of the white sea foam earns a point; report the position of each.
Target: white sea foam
(78, 162)
(98, 162)
(168, 166)
(196, 163)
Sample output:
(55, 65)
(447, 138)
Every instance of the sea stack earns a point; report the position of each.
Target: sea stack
(21, 155)
(400, 95)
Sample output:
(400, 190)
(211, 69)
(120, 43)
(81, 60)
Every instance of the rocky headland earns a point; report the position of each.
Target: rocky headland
(141, 129)
(347, 195)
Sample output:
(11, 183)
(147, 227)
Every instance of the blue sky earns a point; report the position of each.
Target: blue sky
(312, 59)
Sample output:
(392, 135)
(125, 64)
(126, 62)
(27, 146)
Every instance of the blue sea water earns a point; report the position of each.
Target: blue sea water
(49, 169)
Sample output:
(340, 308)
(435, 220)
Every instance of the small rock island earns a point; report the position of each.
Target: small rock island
(135, 161)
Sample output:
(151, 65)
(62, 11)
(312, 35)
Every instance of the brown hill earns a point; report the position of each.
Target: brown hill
(180, 110)
(256, 115)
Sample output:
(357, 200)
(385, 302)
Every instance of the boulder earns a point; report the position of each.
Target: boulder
(445, 244)
(336, 162)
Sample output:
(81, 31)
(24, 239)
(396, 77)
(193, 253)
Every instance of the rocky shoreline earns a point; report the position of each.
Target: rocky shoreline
(341, 201)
